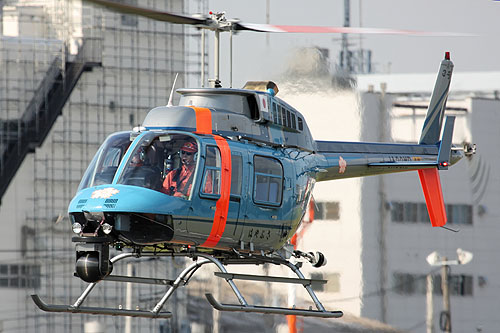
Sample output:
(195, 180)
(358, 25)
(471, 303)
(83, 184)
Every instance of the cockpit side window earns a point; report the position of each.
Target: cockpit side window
(103, 167)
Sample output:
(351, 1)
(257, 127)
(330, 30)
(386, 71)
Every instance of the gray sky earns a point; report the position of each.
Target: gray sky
(253, 59)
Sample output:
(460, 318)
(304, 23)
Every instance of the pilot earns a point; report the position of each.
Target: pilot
(178, 182)
(139, 158)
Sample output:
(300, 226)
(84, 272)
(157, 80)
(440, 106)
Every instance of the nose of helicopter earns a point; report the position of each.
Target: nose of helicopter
(125, 198)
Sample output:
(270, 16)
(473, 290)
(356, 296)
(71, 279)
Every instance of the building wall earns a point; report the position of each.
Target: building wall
(334, 115)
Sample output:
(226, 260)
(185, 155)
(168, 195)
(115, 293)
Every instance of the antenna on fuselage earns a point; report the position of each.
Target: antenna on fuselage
(172, 91)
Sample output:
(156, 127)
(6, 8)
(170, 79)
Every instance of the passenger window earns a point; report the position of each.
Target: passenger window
(236, 174)
(301, 126)
(268, 180)
(211, 176)
(275, 113)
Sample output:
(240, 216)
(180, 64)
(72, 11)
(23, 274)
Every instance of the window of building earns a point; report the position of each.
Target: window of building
(327, 210)
(127, 19)
(459, 214)
(268, 180)
(331, 286)
(414, 284)
(412, 212)
(19, 276)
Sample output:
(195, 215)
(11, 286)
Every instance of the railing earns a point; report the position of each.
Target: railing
(30, 130)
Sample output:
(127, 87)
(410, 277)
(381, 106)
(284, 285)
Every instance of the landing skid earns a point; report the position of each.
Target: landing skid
(183, 279)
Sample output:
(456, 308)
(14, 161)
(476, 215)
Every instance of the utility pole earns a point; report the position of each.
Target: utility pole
(446, 322)
(128, 298)
(429, 322)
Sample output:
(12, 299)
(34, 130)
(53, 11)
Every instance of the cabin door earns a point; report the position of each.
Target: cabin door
(207, 206)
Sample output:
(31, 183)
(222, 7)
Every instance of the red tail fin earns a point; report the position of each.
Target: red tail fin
(429, 178)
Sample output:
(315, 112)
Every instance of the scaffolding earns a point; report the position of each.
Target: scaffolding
(133, 63)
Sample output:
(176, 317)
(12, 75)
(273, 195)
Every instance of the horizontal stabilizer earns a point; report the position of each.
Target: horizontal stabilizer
(445, 146)
(431, 184)
(409, 164)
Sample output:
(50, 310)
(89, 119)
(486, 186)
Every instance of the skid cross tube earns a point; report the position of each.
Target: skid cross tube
(263, 278)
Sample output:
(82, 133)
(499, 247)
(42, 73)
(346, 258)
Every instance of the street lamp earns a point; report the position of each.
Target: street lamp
(463, 257)
(434, 259)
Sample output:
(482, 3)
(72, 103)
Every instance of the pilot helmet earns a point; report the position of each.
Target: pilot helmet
(189, 147)
(139, 157)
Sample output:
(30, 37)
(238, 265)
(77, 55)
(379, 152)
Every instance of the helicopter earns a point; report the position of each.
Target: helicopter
(225, 178)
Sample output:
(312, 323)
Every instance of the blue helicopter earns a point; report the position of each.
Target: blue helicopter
(225, 178)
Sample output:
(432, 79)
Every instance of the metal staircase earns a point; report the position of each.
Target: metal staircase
(21, 136)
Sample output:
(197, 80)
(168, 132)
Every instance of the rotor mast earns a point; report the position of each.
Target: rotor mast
(215, 82)
(218, 23)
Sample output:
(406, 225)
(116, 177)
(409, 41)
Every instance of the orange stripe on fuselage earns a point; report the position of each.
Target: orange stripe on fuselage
(203, 120)
(222, 205)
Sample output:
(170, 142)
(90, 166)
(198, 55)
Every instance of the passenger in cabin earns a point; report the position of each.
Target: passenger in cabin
(179, 182)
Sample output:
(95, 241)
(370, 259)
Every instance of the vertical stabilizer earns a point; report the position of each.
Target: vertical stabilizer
(434, 119)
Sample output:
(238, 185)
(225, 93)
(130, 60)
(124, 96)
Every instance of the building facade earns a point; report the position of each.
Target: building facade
(130, 65)
(376, 232)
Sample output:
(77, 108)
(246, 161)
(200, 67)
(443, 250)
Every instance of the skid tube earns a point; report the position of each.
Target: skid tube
(183, 279)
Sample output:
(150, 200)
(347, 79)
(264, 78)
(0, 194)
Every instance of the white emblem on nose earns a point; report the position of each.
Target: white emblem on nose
(104, 193)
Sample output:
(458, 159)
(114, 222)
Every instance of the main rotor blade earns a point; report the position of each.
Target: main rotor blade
(227, 25)
(151, 13)
(242, 26)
